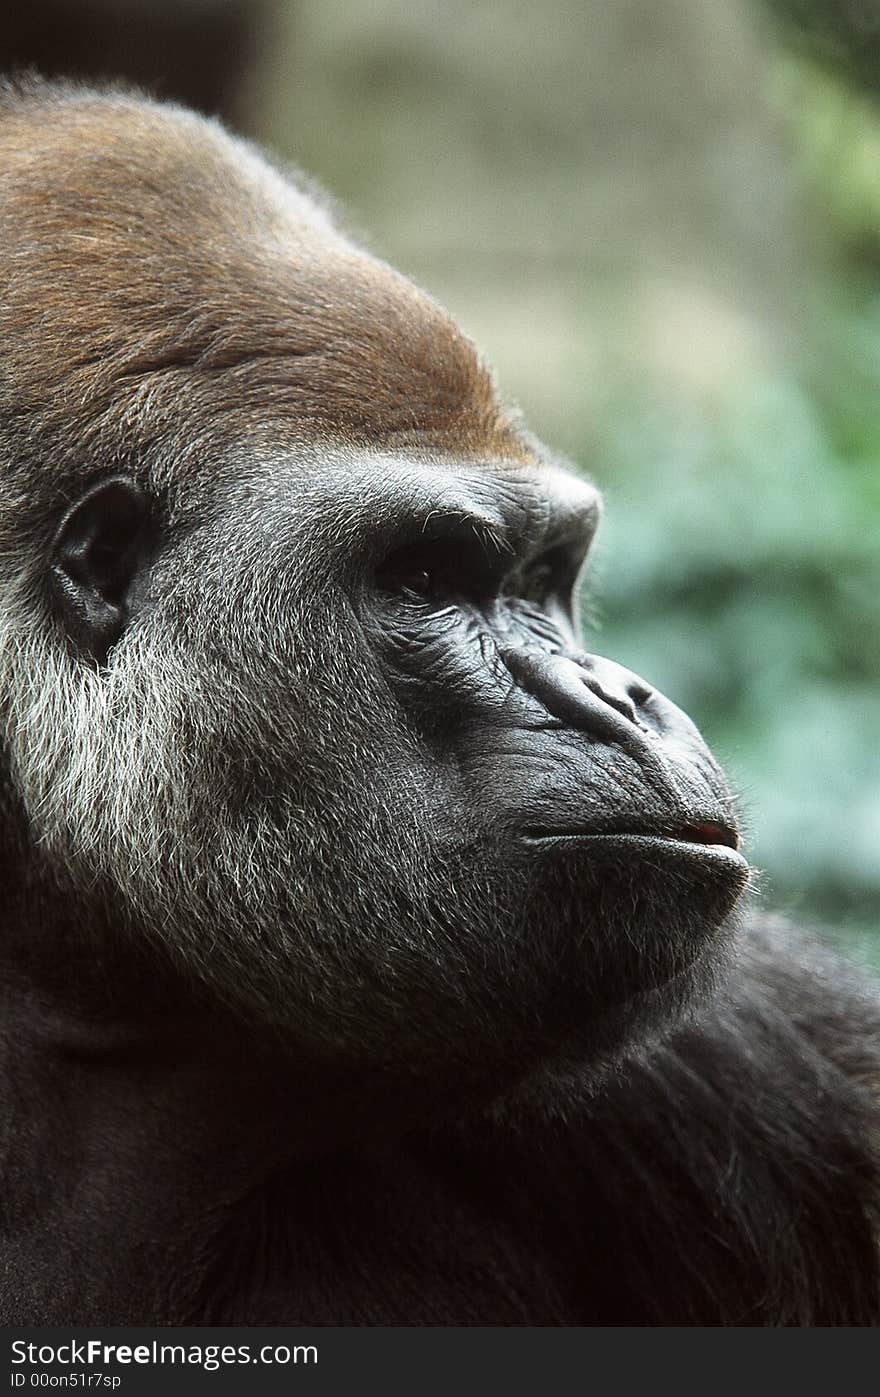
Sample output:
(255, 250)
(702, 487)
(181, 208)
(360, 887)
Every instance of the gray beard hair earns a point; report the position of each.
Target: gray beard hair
(132, 778)
(228, 787)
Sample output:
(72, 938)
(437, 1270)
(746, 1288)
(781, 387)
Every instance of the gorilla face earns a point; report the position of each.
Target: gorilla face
(291, 682)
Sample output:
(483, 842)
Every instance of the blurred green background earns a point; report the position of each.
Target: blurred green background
(660, 220)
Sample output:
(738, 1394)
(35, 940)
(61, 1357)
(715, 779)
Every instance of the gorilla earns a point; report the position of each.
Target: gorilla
(371, 953)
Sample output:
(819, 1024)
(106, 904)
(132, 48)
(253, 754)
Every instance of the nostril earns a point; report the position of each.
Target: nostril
(573, 692)
(615, 699)
(618, 687)
(640, 692)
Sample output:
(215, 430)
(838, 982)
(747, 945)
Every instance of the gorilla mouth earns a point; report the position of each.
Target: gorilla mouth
(708, 832)
(699, 838)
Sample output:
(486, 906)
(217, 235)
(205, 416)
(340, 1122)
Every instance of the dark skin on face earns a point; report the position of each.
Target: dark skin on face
(465, 586)
(320, 826)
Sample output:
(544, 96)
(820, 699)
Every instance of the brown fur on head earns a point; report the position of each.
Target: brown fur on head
(232, 779)
(193, 270)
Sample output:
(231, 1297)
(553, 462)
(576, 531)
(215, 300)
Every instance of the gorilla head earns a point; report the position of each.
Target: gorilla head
(293, 699)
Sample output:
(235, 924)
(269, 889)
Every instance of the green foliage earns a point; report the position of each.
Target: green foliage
(740, 570)
(835, 132)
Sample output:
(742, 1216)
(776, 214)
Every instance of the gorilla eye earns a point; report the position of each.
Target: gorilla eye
(420, 581)
(539, 581)
(441, 571)
(551, 576)
(98, 553)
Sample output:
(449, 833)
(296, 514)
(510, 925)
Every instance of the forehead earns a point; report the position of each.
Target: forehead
(154, 269)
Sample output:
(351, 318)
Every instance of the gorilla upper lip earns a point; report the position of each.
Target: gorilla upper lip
(710, 834)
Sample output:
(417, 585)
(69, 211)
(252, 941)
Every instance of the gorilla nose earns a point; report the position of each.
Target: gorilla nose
(590, 693)
(616, 686)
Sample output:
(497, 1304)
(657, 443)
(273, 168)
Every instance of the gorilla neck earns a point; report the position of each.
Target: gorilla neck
(157, 1116)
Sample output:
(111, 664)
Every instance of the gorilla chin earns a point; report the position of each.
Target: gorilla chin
(643, 928)
(371, 951)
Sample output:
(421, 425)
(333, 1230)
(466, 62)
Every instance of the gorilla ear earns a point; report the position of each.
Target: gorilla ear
(98, 554)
